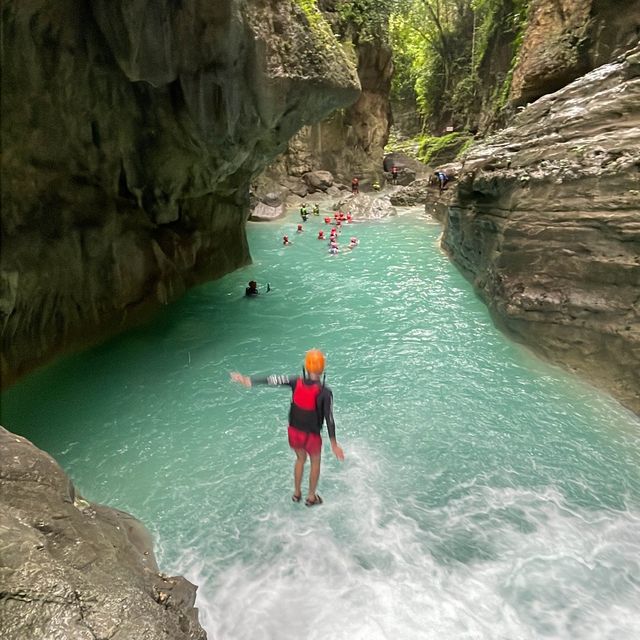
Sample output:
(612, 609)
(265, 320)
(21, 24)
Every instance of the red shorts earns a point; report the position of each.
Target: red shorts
(310, 442)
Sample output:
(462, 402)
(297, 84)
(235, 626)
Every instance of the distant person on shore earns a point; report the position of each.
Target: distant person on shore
(252, 289)
(442, 179)
(394, 174)
(355, 186)
(311, 406)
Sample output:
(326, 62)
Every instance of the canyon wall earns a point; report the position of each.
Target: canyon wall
(545, 221)
(565, 39)
(351, 141)
(130, 134)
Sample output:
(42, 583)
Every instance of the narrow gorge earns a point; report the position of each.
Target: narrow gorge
(138, 136)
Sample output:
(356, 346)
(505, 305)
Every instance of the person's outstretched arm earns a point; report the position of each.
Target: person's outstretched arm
(326, 408)
(273, 380)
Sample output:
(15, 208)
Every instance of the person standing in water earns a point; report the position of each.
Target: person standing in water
(311, 406)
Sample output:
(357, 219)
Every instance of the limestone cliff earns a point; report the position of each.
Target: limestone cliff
(352, 140)
(546, 222)
(130, 133)
(72, 569)
(565, 39)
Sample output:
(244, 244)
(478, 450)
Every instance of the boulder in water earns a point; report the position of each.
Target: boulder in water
(265, 213)
(318, 180)
(365, 206)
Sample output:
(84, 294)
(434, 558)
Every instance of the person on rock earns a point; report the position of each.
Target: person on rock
(355, 186)
(311, 406)
(442, 179)
(394, 174)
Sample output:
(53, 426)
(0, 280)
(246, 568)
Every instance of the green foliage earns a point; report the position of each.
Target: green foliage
(367, 18)
(407, 146)
(465, 147)
(442, 51)
(320, 29)
(449, 145)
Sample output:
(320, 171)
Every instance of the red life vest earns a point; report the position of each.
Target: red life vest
(304, 414)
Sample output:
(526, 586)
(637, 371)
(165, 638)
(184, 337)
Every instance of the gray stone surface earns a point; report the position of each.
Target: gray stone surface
(418, 192)
(73, 570)
(264, 213)
(365, 206)
(318, 180)
(545, 221)
(130, 133)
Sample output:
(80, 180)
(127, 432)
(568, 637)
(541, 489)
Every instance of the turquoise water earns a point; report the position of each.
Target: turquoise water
(484, 494)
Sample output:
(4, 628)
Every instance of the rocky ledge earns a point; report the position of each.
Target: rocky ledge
(545, 221)
(72, 569)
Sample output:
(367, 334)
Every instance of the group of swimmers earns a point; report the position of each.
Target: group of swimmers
(338, 218)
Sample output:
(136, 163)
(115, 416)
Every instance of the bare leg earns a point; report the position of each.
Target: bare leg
(314, 475)
(298, 469)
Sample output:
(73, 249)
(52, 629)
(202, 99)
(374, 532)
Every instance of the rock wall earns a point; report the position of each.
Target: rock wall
(546, 222)
(351, 141)
(72, 569)
(565, 39)
(130, 133)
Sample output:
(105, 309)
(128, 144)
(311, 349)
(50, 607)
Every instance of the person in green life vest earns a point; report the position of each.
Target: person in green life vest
(311, 406)
(304, 214)
(316, 209)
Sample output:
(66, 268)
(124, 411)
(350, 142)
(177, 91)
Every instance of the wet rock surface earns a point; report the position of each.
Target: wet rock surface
(545, 220)
(130, 133)
(566, 38)
(77, 570)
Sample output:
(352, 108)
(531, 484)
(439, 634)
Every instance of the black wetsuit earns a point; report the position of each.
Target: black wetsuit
(324, 402)
(250, 292)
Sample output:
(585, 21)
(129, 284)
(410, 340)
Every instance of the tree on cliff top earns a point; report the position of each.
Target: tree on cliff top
(441, 48)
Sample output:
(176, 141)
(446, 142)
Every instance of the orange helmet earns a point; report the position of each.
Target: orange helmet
(314, 361)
